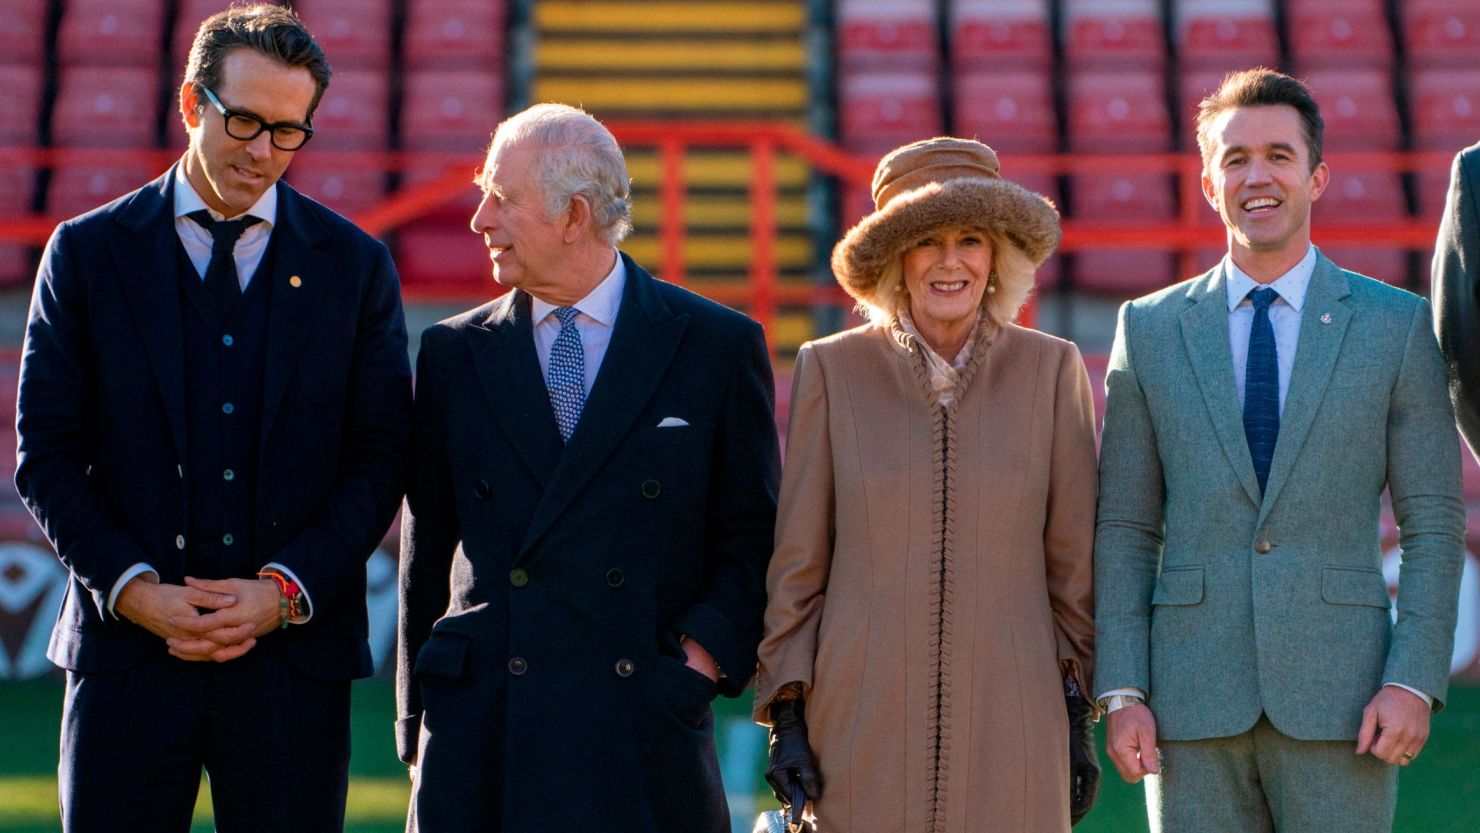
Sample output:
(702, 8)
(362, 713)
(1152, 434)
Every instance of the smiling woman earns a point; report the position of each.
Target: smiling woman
(935, 525)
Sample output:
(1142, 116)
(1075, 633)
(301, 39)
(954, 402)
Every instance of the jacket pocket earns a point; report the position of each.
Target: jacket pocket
(1354, 586)
(1179, 586)
(444, 655)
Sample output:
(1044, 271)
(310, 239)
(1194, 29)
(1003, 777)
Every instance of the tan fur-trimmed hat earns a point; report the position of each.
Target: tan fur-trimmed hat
(938, 184)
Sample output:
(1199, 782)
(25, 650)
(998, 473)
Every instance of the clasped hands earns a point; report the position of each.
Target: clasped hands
(237, 611)
(1395, 726)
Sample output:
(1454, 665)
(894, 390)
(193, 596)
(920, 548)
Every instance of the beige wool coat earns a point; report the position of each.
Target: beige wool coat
(932, 580)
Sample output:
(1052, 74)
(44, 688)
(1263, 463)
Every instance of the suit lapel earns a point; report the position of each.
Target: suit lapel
(294, 305)
(145, 259)
(1205, 334)
(643, 343)
(503, 352)
(1323, 323)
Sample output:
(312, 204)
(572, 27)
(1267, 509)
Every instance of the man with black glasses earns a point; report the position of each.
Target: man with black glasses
(213, 422)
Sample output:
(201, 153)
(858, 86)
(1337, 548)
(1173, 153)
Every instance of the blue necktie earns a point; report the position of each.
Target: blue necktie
(566, 376)
(1262, 387)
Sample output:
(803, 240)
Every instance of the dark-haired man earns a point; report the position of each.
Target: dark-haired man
(213, 421)
(1254, 416)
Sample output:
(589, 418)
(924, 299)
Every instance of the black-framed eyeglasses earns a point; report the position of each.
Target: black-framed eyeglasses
(244, 127)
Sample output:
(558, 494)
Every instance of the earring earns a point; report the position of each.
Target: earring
(992, 282)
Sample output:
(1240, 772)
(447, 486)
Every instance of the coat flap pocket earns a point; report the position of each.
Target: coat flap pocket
(443, 655)
(1179, 586)
(1354, 586)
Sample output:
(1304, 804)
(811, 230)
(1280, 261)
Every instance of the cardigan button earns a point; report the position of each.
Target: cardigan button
(615, 577)
(179, 542)
(518, 577)
(517, 666)
(651, 489)
(625, 667)
(481, 490)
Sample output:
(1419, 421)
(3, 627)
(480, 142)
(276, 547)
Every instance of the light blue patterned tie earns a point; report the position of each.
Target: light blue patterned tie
(566, 376)
(1262, 387)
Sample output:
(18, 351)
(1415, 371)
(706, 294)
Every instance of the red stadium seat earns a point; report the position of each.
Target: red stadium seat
(1446, 108)
(22, 85)
(1360, 196)
(898, 34)
(354, 112)
(1442, 33)
(1385, 263)
(1357, 106)
(188, 18)
(1141, 196)
(1192, 87)
(1009, 34)
(347, 190)
(106, 107)
(23, 30)
(79, 188)
(450, 110)
(1118, 112)
(1052, 269)
(1108, 34)
(883, 110)
(1339, 34)
(1011, 111)
(432, 253)
(352, 32)
(454, 34)
(1123, 272)
(1226, 34)
(16, 184)
(111, 32)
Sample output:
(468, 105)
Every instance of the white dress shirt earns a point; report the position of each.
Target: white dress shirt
(250, 249)
(1284, 319)
(197, 240)
(596, 316)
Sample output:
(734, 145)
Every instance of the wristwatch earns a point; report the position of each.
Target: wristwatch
(1115, 702)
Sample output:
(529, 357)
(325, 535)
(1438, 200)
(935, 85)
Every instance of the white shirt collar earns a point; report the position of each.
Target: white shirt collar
(1291, 286)
(187, 199)
(600, 304)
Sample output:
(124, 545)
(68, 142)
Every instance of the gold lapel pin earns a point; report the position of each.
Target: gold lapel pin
(1325, 318)
(296, 282)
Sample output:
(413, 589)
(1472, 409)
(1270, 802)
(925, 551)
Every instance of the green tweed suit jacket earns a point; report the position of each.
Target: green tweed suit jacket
(1223, 604)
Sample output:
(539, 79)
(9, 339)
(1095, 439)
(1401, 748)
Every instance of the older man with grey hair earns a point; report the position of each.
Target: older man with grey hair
(589, 519)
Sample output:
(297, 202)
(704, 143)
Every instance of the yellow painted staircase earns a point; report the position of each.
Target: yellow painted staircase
(646, 60)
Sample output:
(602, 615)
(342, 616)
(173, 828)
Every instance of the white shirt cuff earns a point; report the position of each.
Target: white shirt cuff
(1428, 701)
(128, 575)
(1133, 692)
(302, 588)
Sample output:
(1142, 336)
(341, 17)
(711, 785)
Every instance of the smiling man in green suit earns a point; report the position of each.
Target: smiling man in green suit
(1254, 416)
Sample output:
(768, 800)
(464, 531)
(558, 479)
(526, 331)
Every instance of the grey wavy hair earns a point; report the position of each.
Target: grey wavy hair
(1014, 284)
(577, 156)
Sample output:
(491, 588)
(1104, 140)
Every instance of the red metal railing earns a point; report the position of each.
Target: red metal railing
(1196, 227)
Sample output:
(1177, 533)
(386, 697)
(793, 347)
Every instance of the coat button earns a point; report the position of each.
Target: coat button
(228, 408)
(1262, 546)
(614, 577)
(625, 667)
(228, 475)
(517, 666)
(481, 490)
(179, 542)
(518, 577)
(228, 539)
(651, 489)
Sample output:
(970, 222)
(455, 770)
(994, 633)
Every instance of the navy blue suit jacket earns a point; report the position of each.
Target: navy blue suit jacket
(101, 421)
(544, 587)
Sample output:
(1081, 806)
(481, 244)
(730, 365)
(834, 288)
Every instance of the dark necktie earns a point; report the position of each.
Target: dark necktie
(1262, 387)
(221, 278)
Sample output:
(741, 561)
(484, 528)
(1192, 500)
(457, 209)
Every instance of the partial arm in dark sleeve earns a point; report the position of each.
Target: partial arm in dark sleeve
(1456, 294)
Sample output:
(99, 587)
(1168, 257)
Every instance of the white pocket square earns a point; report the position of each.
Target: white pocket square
(673, 422)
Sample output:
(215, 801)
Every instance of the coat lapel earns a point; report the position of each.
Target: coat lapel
(1323, 323)
(503, 352)
(1205, 334)
(297, 236)
(646, 336)
(145, 258)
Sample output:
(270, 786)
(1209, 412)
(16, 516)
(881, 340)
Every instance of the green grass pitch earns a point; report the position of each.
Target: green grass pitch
(1440, 793)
